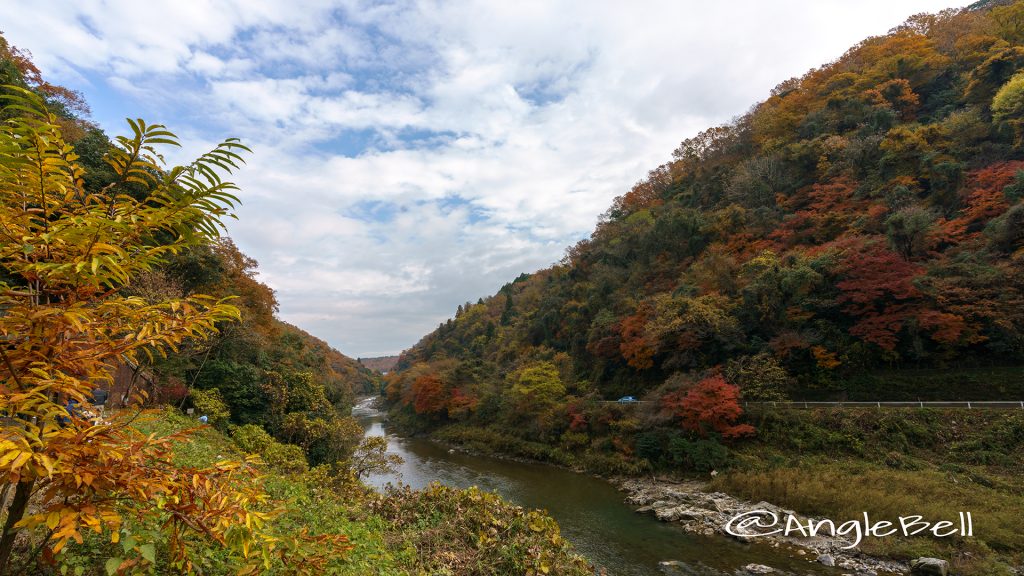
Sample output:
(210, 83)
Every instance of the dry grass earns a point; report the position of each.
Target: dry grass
(844, 490)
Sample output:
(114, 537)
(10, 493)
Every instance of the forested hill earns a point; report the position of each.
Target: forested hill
(865, 217)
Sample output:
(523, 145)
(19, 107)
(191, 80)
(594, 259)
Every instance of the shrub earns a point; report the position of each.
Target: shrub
(760, 377)
(575, 440)
(286, 458)
(475, 532)
(251, 438)
(699, 455)
(648, 446)
(211, 404)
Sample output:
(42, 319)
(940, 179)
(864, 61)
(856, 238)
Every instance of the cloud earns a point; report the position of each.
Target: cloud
(412, 155)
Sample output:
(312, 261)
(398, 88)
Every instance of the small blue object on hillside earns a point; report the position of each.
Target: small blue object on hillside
(203, 419)
(627, 400)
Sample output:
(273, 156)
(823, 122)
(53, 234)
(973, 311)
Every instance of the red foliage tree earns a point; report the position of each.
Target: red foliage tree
(461, 403)
(983, 200)
(821, 212)
(878, 290)
(712, 405)
(429, 394)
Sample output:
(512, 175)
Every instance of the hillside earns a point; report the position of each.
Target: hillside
(353, 374)
(865, 218)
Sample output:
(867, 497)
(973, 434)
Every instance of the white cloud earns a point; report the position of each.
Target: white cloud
(485, 136)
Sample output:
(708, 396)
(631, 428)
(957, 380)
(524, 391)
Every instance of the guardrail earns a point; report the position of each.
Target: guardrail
(968, 404)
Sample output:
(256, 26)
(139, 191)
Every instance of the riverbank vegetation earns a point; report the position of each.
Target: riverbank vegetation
(438, 530)
(435, 531)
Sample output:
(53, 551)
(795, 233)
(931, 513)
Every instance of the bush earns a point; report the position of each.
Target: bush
(760, 377)
(575, 440)
(211, 404)
(699, 455)
(286, 458)
(281, 457)
(251, 438)
(648, 446)
(475, 532)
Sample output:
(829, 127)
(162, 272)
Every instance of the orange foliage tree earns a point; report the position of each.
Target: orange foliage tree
(635, 347)
(67, 254)
(710, 406)
(429, 394)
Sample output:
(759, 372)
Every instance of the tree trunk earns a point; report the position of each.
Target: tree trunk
(14, 515)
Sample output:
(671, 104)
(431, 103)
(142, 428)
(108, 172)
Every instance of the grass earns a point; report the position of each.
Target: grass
(890, 463)
(844, 490)
(206, 444)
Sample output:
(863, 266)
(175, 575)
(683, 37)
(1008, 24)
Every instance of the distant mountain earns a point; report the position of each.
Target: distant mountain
(383, 364)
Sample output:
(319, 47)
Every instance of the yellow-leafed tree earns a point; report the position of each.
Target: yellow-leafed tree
(65, 257)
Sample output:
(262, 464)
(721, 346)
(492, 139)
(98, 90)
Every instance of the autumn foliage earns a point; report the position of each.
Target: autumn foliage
(66, 323)
(712, 405)
(635, 347)
(429, 393)
(878, 290)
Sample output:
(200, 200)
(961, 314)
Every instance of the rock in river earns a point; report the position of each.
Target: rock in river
(929, 567)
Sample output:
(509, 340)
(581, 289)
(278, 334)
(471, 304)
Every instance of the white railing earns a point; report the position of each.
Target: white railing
(969, 404)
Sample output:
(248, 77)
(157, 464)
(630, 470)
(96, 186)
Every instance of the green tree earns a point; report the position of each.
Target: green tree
(537, 386)
(908, 230)
(211, 404)
(760, 377)
(1008, 104)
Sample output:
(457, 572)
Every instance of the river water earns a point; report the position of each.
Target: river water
(590, 511)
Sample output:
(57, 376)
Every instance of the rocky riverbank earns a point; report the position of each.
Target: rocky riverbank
(700, 511)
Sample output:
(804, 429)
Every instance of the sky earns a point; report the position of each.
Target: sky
(410, 156)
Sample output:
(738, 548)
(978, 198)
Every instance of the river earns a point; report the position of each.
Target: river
(590, 511)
